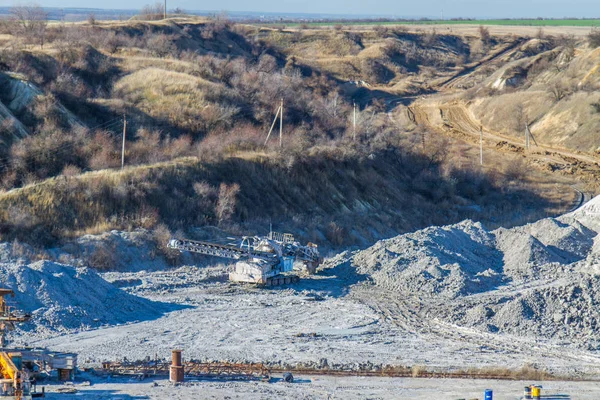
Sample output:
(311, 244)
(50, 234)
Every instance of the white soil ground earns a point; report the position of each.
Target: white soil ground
(324, 387)
(422, 300)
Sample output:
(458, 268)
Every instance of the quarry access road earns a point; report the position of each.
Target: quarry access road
(454, 119)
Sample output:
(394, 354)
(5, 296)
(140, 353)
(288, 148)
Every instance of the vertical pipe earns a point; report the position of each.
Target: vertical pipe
(176, 370)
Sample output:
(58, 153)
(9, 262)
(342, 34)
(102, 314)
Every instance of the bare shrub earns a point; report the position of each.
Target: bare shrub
(484, 34)
(381, 31)
(335, 234)
(30, 22)
(102, 258)
(516, 170)
(161, 45)
(430, 38)
(568, 43)
(153, 12)
(593, 38)
(540, 34)
(227, 201)
(338, 27)
(70, 171)
(161, 236)
(91, 19)
(558, 91)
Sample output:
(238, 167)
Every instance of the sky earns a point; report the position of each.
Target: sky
(397, 8)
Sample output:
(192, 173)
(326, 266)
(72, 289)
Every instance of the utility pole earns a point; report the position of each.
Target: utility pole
(354, 124)
(123, 148)
(527, 135)
(281, 124)
(165, 9)
(273, 125)
(480, 144)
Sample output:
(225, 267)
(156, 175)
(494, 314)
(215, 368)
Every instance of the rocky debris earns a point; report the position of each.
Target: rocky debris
(62, 298)
(541, 279)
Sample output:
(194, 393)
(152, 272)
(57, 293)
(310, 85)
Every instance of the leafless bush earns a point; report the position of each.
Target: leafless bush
(335, 234)
(381, 31)
(102, 258)
(161, 45)
(29, 22)
(430, 38)
(540, 34)
(558, 91)
(227, 201)
(153, 12)
(516, 170)
(161, 236)
(484, 34)
(338, 27)
(594, 38)
(91, 19)
(568, 43)
(70, 171)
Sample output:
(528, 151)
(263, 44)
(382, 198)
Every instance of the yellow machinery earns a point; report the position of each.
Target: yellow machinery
(15, 381)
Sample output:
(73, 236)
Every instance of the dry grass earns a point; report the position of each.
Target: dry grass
(172, 96)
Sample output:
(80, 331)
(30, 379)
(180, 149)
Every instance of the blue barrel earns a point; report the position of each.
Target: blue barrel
(489, 394)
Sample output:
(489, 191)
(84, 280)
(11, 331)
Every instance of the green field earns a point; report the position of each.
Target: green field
(507, 22)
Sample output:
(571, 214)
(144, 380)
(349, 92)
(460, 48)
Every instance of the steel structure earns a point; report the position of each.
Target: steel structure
(263, 260)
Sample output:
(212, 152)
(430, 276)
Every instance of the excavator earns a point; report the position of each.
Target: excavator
(262, 260)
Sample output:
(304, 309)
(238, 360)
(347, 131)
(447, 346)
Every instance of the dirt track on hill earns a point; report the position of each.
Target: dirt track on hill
(455, 120)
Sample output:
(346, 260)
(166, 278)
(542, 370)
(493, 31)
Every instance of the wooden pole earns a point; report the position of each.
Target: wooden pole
(354, 124)
(281, 124)
(272, 125)
(480, 144)
(123, 148)
(165, 9)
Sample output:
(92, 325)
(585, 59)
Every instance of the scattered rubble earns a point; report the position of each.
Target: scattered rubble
(541, 279)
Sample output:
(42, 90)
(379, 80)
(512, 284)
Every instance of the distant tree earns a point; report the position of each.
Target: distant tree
(91, 19)
(30, 22)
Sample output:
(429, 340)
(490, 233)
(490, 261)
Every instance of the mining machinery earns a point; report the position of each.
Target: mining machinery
(14, 379)
(9, 316)
(263, 260)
